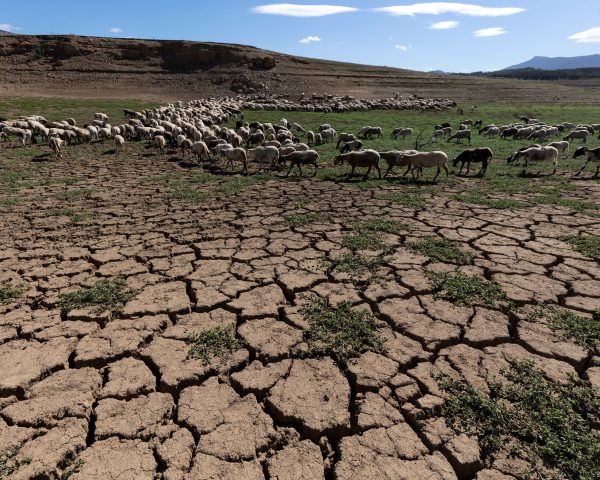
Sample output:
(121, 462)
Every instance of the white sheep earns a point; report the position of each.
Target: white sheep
(56, 145)
(160, 143)
(119, 143)
(395, 158)
(578, 135)
(418, 161)
(199, 149)
(458, 136)
(235, 155)
(364, 158)
(265, 156)
(562, 147)
(307, 157)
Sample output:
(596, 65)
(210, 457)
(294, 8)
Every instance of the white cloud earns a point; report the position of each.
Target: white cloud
(116, 30)
(293, 10)
(310, 38)
(7, 27)
(444, 25)
(588, 36)
(489, 32)
(404, 48)
(439, 8)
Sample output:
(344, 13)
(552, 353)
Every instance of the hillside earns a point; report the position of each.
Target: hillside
(93, 67)
(559, 63)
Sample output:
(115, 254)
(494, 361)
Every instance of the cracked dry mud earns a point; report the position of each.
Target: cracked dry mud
(118, 398)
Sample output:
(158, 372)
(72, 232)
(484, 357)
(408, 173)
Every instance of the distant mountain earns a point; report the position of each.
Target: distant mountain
(5, 32)
(559, 63)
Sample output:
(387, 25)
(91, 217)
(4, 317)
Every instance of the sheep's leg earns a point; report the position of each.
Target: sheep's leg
(351, 172)
(446, 170)
(462, 165)
(582, 168)
(597, 171)
(468, 167)
(407, 170)
(290, 169)
(315, 171)
(368, 171)
(378, 170)
(389, 169)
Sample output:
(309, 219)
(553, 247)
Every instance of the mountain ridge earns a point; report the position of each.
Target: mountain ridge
(559, 63)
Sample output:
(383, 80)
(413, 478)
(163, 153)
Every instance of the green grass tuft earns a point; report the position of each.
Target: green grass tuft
(214, 342)
(105, 295)
(301, 219)
(340, 332)
(465, 290)
(479, 197)
(588, 245)
(74, 195)
(9, 463)
(73, 215)
(72, 469)
(379, 225)
(442, 250)
(8, 292)
(544, 422)
(357, 265)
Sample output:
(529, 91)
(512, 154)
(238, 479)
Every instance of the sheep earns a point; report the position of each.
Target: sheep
(420, 160)
(236, 155)
(283, 122)
(458, 136)
(199, 149)
(402, 132)
(308, 157)
(328, 135)
(318, 139)
(368, 133)
(350, 146)
(395, 158)
(264, 156)
(447, 131)
(160, 143)
(345, 138)
(477, 155)
(256, 138)
(492, 132)
(296, 127)
(562, 147)
(185, 145)
(441, 126)
(102, 117)
(56, 145)
(592, 155)
(438, 134)
(365, 158)
(310, 138)
(119, 143)
(535, 154)
(578, 135)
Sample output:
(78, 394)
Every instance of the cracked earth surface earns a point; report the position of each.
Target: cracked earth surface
(120, 395)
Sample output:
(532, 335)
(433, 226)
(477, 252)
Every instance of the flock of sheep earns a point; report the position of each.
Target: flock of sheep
(195, 129)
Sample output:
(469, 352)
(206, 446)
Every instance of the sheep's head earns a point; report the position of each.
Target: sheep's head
(455, 162)
(579, 152)
(339, 160)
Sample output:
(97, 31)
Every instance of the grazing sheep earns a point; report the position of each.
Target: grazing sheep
(367, 133)
(345, 138)
(350, 146)
(119, 143)
(199, 149)
(256, 138)
(437, 135)
(420, 160)
(310, 138)
(308, 157)
(535, 154)
(447, 131)
(235, 155)
(265, 156)
(562, 147)
(296, 127)
(395, 158)
(492, 132)
(592, 155)
(578, 135)
(56, 145)
(328, 135)
(475, 155)
(365, 158)
(458, 136)
(185, 145)
(402, 133)
(160, 142)
(318, 139)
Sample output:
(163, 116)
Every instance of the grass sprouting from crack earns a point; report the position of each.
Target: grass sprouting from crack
(8, 292)
(105, 295)
(72, 469)
(73, 215)
(548, 424)
(465, 290)
(479, 197)
(588, 245)
(357, 265)
(442, 250)
(584, 331)
(9, 463)
(340, 332)
(301, 219)
(379, 225)
(214, 342)
(406, 199)
(74, 195)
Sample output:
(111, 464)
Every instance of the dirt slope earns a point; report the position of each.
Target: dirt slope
(90, 67)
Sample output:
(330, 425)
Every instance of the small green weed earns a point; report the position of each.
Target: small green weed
(9, 463)
(73, 215)
(72, 469)
(10, 201)
(442, 250)
(542, 421)
(214, 342)
(462, 289)
(301, 219)
(379, 225)
(340, 332)
(187, 194)
(8, 292)
(105, 295)
(479, 197)
(357, 265)
(74, 195)
(588, 245)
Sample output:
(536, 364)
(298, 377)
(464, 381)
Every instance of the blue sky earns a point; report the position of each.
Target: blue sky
(451, 36)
